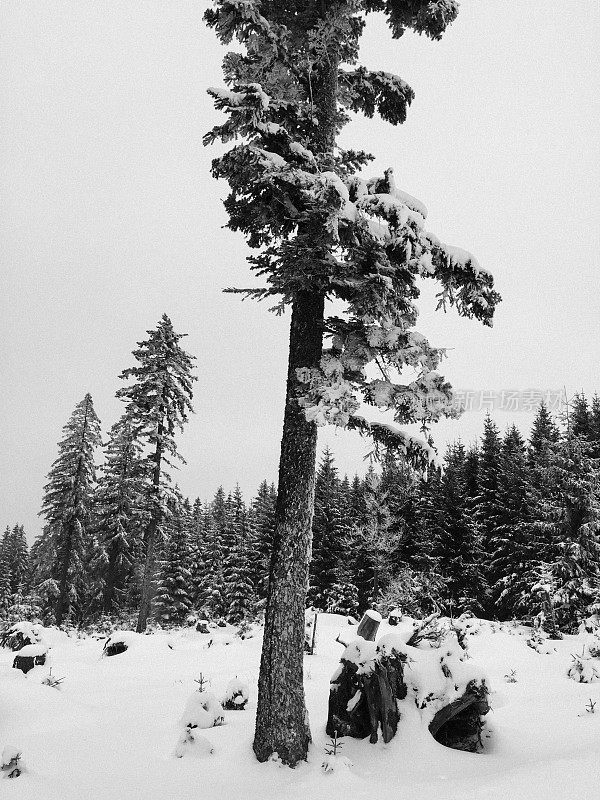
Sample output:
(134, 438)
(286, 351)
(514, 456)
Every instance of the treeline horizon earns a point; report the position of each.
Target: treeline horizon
(504, 528)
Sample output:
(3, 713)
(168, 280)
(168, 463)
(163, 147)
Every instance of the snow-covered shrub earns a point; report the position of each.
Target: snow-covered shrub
(236, 695)
(52, 681)
(583, 668)
(245, 630)
(539, 642)
(20, 634)
(202, 711)
(592, 643)
(416, 593)
(11, 761)
(333, 761)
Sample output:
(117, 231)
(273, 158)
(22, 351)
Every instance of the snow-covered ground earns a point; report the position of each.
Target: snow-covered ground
(110, 731)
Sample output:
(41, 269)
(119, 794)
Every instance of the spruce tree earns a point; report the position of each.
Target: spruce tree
(121, 508)
(19, 560)
(543, 434)
(262, 523)
(328, 533)
(157, 403)
(376, 541)
(237, 578)
(458, 547)
(5, 571)
(215, 600)
(515, 544)
(322, 231)
(486, 505)
(67, 505)
(172, 600)
(571, 522)
(580, 418)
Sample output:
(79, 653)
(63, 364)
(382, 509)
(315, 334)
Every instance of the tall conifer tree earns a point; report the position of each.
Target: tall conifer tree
(324, 232)
(67, 505)
(157, 403)
(122, 509)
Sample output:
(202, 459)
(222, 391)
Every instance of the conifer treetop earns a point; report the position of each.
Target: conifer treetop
(159, 399)
(318, 224)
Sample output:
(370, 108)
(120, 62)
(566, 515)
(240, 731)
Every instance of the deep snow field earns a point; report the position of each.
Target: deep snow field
(110, 731)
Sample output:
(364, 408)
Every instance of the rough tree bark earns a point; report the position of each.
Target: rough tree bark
(281, 717)
(281, 723)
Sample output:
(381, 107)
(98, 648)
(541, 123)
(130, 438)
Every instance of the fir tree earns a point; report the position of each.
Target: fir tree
(571, 523)
(376, 543)
(121, 505)
(237, 577)
(328, 533)
(543, 434)
(486, 504)
(458, 547)
(5, 572)
(580, 418)
(215, 522)
(172, 600)
(19, 560)
(323, 231)
(515, 544)
(67, 506)
(158, 402)
(262, 523)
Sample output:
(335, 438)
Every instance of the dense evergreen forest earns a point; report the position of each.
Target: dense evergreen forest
(504, 529)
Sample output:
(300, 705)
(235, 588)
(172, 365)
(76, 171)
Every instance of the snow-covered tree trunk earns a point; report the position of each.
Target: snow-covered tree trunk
(281, 717)
(281, 722)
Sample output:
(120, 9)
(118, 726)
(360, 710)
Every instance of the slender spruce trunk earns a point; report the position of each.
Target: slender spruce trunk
(281, 718)
(151, 531)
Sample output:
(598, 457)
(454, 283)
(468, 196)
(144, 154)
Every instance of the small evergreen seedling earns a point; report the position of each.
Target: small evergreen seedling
(334, 745)
(51, 681)
(591, 707)
(511, 677)
(202, 682)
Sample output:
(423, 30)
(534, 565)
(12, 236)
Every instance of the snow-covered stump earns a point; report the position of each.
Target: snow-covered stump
(373, 680)
(459, 724)
(19, 635)
(236, 695)
(118, 642)
(369, 625)
(30, 656)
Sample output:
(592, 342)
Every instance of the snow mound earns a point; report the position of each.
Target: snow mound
(236, 695)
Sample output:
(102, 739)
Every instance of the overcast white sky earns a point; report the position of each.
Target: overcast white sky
(109, 217)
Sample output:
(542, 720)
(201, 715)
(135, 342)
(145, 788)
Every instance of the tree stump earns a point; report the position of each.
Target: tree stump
(370, 680)
(360, 703)
(114, 648)
(202, 626)
(369, 625)
(26, 663)
(458, 725)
